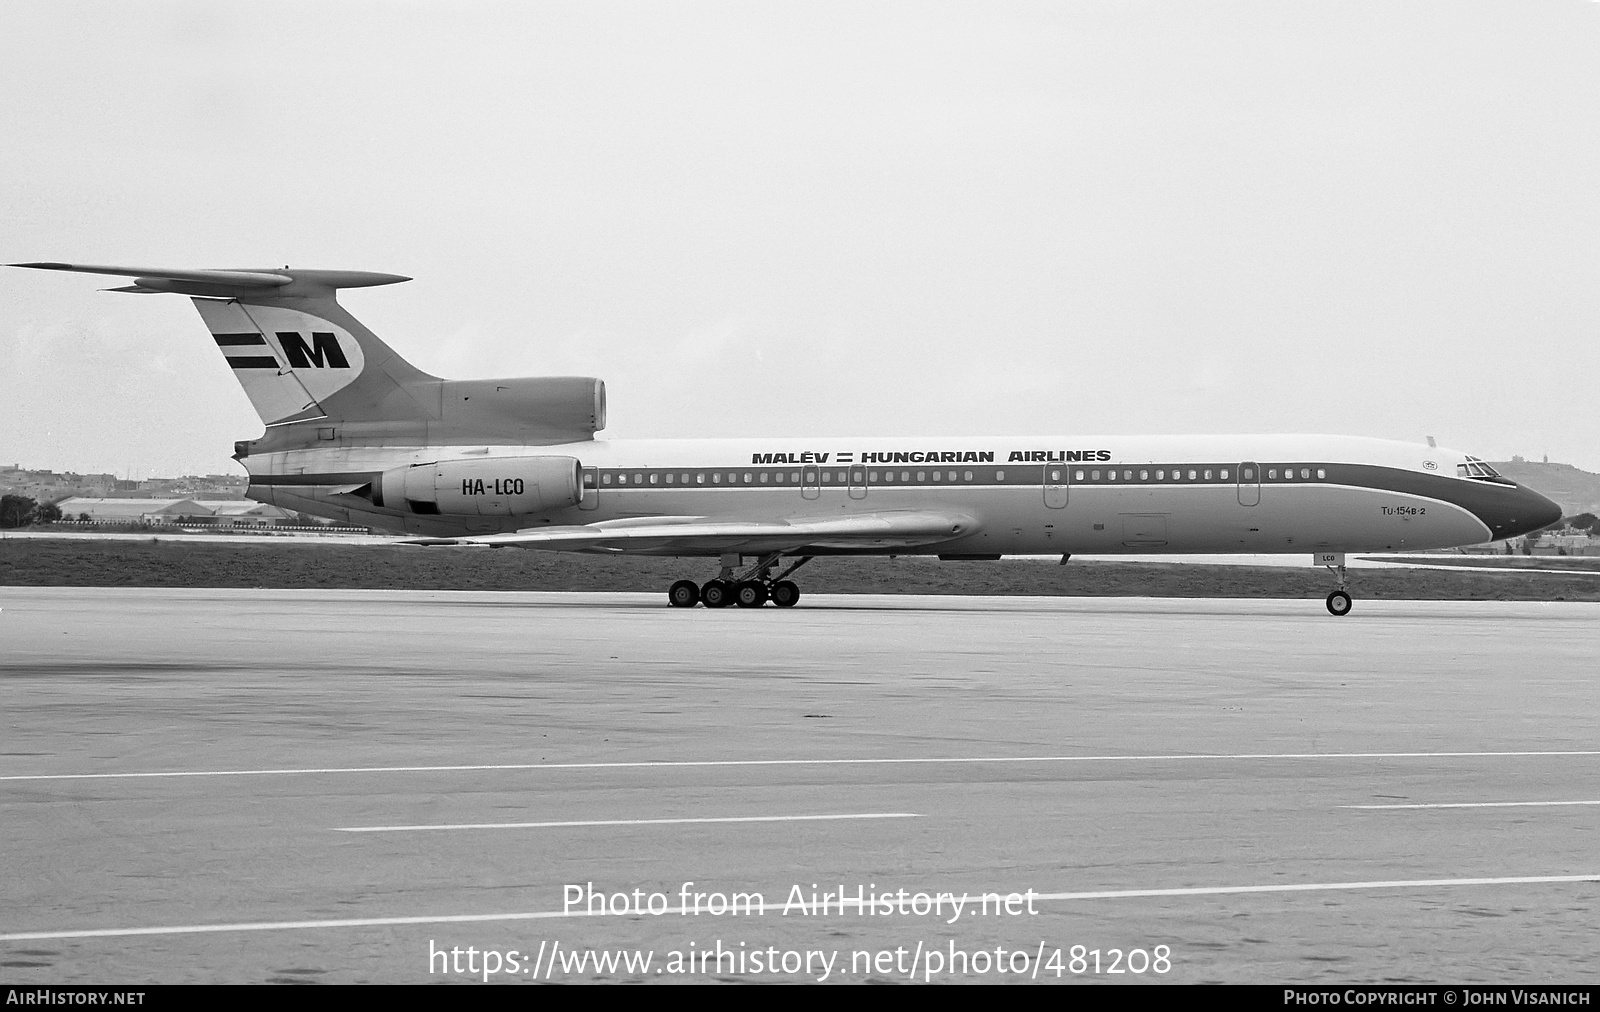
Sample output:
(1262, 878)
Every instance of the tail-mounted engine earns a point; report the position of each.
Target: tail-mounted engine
(491, 487)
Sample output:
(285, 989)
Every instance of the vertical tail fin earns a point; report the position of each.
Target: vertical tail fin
(301, 358)
(288, 362)
(293, 348)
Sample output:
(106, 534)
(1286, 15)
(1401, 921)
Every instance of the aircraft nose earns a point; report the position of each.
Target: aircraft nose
(1522, 512)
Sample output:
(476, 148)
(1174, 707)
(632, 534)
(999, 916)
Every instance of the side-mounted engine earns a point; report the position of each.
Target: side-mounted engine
(490, 487)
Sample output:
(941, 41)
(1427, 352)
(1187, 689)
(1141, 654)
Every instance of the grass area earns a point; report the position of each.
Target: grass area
(88, 563)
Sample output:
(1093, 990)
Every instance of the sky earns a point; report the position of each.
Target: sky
(793, 219)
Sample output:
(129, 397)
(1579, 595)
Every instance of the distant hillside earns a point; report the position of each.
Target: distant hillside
(1577, 491)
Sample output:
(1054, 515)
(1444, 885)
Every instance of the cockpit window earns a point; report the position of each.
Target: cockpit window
(1475, 468)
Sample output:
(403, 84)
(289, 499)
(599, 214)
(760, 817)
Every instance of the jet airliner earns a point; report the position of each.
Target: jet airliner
(357, 434)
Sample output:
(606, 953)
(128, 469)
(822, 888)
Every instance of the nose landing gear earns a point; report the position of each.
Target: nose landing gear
(750, 589)
(1339, 601)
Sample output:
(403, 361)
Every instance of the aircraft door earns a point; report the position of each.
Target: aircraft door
(857, 479)
(811, 482)
(1056, 478)
(591, 490)
(1249, 483)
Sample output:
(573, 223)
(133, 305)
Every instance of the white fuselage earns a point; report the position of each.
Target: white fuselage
(1024, 495)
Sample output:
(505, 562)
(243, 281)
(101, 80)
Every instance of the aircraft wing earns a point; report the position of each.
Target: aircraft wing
(703, 535)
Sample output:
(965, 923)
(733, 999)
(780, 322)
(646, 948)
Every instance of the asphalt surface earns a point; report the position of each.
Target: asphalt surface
(247, 785)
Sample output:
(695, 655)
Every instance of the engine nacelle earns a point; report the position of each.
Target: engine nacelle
(490, 487)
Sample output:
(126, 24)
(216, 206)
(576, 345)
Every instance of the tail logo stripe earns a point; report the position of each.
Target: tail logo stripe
(324, 350)
(287, 360)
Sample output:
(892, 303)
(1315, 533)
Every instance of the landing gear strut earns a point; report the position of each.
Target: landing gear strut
(1339, 600)
(750, 589)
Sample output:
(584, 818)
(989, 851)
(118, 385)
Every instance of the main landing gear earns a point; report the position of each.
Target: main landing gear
(750, 589)
(1339, 600)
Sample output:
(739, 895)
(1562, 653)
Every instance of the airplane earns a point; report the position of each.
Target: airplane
(357, 434)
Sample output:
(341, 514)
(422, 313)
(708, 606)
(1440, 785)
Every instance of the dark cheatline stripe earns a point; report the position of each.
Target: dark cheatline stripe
(325, 478)
(237, 340)
(252, 362)
(1506, 509)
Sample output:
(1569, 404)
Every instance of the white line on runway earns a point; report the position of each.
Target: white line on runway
(630, 822)
(1477, 804)
(762, 908)
(667, 764)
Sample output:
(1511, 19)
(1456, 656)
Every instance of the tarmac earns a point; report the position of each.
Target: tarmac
(348, 786)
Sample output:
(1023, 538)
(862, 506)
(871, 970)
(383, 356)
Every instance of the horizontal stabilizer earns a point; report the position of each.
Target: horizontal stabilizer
(229, 283)
(241, 279)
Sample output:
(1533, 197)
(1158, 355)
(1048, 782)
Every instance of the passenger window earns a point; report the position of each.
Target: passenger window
(763, 477)
(700, 478)
(1208, 474)
(1305, 472)
(968, 475)
(588, 480)
(716, 478)
(605, 479)
(1127, 476)
(654, 477)
(856, 477)
(1077, 476)
(638, 479)
(936, 475)
(922, 476)
(1094, 475)
(1272, 472)
(1191, 476)
(999, 476)
(1224, 474)
(1144, 475)
(670, 477)
(1161, 475)
(905, 475)
(622, 479)
(872, 476)
(1321, 473)
(747, 477)
(1249, 474)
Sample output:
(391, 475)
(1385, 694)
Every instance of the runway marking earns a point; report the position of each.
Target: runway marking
(630, 822)
(1477, 804)
(678, 764)
(762, 908)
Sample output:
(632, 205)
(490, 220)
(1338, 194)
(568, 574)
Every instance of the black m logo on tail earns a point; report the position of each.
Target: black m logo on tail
(324, 350)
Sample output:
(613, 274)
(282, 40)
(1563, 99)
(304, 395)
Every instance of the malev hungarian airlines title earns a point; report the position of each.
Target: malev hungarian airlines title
(927, 457)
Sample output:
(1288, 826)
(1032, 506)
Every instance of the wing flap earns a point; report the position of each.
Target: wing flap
(700, 534)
